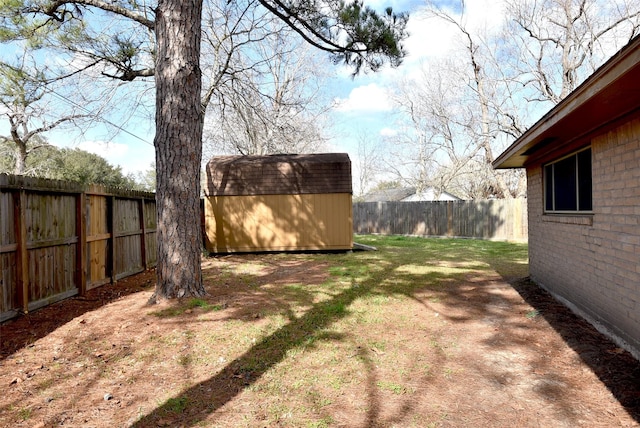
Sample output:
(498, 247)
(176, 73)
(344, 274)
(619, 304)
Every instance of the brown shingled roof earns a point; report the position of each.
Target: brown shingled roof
(278, 174)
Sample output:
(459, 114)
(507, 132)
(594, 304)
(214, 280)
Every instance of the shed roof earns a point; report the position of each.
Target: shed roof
(611, 93)
(278, 174)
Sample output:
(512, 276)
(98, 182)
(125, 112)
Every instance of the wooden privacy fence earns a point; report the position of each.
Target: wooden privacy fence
(59, 239)
(498, 219)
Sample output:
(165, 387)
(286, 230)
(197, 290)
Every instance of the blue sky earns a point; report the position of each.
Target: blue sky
(361, 103)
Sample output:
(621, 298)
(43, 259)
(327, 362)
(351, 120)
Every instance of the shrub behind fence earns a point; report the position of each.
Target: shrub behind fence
(498, 219)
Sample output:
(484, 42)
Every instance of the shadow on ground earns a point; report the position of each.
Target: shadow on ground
(616, 368)
(206, 397)
(26, 329)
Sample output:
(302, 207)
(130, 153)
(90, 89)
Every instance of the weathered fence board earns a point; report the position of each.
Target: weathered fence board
(491, 219)
(98, 240)
(59, 239)
(8, 250)
(149, 222)
(129, 238)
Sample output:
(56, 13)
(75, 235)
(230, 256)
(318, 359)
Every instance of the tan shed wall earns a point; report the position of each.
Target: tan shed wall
(279, 222)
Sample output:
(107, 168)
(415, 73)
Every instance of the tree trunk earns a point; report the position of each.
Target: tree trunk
(178, 144)
(21, 157)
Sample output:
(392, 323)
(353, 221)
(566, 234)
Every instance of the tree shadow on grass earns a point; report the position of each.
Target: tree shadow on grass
(205, 398)
(616, 368)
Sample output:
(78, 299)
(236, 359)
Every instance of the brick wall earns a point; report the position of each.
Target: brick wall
(592, 262)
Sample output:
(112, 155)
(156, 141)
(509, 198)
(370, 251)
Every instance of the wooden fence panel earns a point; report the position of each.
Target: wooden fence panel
(58, 239)
(150, 225)
(430, 218)
(491, 219)
(98, 240)
(128, 238)
(8, 255)
(50, 223)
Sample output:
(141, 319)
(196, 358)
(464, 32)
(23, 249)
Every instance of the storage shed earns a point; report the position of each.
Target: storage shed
(278, 203)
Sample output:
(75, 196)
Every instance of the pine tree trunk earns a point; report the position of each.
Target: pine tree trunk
(21, 157)
(178, 144)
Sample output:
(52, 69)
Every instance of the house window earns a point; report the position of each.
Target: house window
(567, 183)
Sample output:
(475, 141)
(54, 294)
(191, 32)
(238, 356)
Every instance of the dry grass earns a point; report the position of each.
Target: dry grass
(420, 333)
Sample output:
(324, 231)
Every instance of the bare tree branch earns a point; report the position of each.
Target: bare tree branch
(58, 10)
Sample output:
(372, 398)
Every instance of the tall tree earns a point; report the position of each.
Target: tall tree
(272, 102)
(178, 144)
(462, 111)
(449, 124)
(28, 102)
(481, 124)
(351, 33)
(561, 42)
(368, 163)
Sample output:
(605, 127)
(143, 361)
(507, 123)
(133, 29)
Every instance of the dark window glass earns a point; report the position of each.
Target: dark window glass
(584, 180)
(564, 184)
(567, 183)
(548, 187)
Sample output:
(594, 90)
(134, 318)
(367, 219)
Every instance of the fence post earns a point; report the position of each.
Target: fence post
(449, 218)
(22, 253)
(81, 250)
(143, 239)
(112, 239)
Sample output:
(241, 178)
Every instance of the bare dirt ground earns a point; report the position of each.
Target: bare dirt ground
(262, 351)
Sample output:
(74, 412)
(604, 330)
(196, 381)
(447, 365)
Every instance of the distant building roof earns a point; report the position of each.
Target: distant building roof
(407, 194)
(388, 195)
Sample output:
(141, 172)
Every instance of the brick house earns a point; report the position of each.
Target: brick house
(583, 171)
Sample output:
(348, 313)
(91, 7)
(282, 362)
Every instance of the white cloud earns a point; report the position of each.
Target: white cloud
(107, 150)
(485, 14)
(368, 98)
(428, 37)
(388, 132)
(433, 37)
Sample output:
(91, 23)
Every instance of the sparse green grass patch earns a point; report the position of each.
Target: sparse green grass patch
(187, 306)
(532, 314)
(396, 388)
(176, 405)
(25, 413)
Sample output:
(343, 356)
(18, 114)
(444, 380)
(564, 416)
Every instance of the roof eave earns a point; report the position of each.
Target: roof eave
(596, 102)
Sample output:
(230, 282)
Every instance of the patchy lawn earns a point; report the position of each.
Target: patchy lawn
(423, 332)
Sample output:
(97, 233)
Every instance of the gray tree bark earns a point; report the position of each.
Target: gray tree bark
(178, 144)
